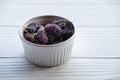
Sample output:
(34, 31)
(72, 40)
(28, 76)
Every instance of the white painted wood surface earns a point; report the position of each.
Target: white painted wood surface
(89, 42)
(74, 69)
(96, 51)
(80, 12)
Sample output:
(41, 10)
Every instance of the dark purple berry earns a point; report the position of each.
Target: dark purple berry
(35, 38)
(29, 36)
(41, 36)
(52, 33)
(51, 39)
(41, 28)
(61, 23)
(66, 33)
(67, 28)
(32, 28)
(41, 31)
(53, 29)
(64, 24)
(70, 26)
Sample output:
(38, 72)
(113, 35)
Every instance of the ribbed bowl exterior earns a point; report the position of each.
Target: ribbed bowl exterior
(48, 56)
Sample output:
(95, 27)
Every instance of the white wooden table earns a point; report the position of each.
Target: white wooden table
(96, 51)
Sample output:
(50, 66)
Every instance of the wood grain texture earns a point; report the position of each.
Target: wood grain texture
(96, 51)
(10, 44)
(103, 13)
(60, 2)
(89, 42)
(74, 69)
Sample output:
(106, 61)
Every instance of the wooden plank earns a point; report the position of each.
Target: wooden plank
(89, 42)
(10, 44)
(80, 15)
(75, 68)
(99, 42)
(60, 2)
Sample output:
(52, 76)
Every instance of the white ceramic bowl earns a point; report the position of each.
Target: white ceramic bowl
(46, 55)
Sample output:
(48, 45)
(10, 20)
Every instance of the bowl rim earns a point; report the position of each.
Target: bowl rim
(43, 45)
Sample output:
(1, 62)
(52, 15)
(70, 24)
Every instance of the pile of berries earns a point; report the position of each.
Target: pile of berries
(51, 33)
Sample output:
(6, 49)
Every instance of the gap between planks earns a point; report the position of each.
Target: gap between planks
(72, 57)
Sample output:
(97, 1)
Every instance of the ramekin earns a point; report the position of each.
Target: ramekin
(46, 55)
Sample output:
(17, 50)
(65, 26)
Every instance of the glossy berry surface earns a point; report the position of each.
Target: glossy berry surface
(32, 28)
(64, 24)
(35, 38)
(61, 23)
(29, 36)
(67, 33)
(51, 33)
(41, 36)
(53, 29)
(51, 39)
